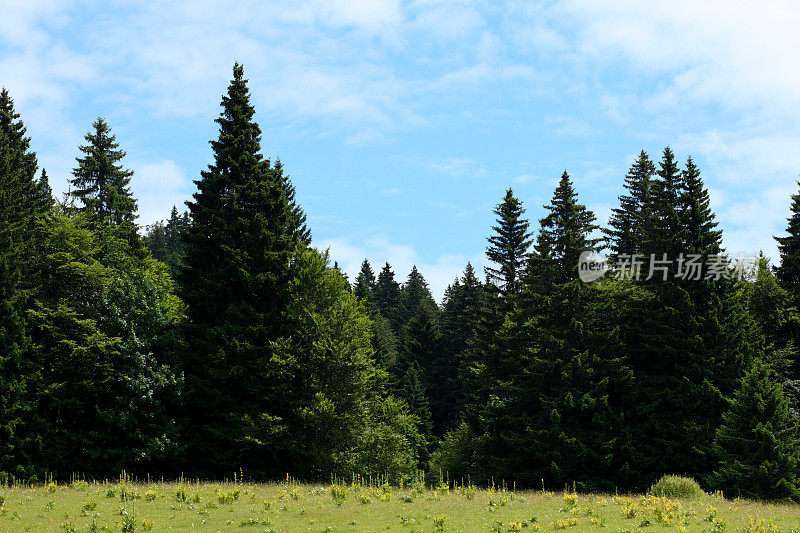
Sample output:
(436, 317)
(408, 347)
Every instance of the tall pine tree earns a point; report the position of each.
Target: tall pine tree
(629, 220)
(508, 247)
(235, 283)
(102, 185)
(788, 272)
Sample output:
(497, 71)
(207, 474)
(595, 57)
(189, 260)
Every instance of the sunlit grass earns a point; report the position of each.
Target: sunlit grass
(290, 506)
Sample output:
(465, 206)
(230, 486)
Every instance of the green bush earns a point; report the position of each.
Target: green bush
(676, 487)
(454, 456)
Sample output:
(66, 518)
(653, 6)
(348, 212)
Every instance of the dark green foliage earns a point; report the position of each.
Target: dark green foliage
(461, 312)
(667, 233)
(165, 240)
(415, 394)
(565, 232)
(335, 393)
(104, 340)
(454, 455)
(550, 376)
(634, 214)
(788, 272)
(701, 236)
(23, 203)
(102, 185)
(415, 293)
(531, 377)
(73, 353)
(235, 283)
(387, 297)
(508, 247)
(365, 284)
(757, 442)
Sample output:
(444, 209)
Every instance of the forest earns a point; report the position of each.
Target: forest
(220, 341)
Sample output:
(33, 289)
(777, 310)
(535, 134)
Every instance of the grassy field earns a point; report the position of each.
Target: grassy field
(291, 507)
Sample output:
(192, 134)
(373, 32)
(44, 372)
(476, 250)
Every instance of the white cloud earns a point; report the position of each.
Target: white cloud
(439, 273)
(158, 186)
(456, 167)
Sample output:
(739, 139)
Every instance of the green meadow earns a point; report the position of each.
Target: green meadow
(290, 506)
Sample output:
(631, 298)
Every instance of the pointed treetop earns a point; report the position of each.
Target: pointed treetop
(567, 230)
(788, 272)
(629, 221)
(101, 183)
(702, 235)
(365, 282)
(508, 247)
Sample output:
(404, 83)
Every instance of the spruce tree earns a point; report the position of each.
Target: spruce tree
(566, 231)
(757, 445)
(701, 236)
(415, 292)
(667, 231)
(235, 283)
(461, 312)
(388, 297)
(508, 247)
(102, 185)
(788, 272)
(165, 241)
(296, 226)
(629, 220)
(365, 283)
(421, 348)
(22, 204)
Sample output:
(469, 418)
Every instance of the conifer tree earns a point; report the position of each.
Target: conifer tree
(757, 442)
(415, 393)
(788, 272)
(296, 226)
(566, 231)
(22, 203)
(19, 163)
(461, 312)
(388, 297)
(667, 232)
(365, 283)
(421, 347)
(415, 292)
(629, 220)
(702, 236)
(102, 185)
(508, 247)
(165, 240)
(235, 283)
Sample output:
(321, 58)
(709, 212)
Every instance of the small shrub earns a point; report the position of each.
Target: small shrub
(52, 487)
(128, 524)
(439, 522)
(150, 495)
(226, 497)
(676, 487)
(91, 505)
(339, 494)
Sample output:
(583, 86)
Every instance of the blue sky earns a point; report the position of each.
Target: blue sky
(402, 123)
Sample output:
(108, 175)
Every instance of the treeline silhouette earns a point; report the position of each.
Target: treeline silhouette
(222, 340)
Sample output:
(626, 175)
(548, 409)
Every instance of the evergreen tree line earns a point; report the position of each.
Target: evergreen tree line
(221, 340)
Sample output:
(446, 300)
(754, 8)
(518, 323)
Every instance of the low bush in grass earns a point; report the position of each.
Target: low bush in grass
(676, 487)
